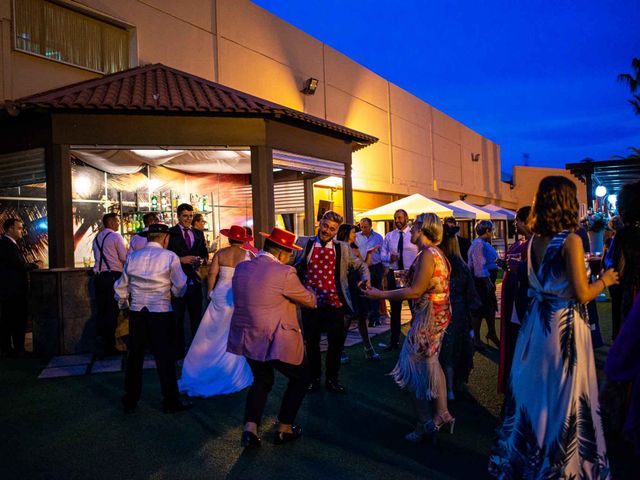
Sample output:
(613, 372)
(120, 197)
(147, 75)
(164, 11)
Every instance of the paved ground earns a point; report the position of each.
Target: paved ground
(66, 428)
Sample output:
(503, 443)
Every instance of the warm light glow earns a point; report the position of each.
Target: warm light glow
(613, 199)
(82, 185)
(154, 154)
(331, 182)
(601, 191)
(154, 184)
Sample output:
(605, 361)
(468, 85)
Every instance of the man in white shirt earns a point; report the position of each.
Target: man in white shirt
(139, 240)
(151, 275)
(397, 253)
(368, 240)
(110, 254)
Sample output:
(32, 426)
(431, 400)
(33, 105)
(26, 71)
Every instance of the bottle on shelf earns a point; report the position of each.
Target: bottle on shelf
(205, 203)
(154, 202)
(164, 203)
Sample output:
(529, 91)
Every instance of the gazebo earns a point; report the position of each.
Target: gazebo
(151, 112)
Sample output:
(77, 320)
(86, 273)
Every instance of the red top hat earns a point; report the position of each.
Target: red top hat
(284, 238)
(236, 232)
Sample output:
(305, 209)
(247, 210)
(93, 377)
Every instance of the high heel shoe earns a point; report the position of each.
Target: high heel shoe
(433, 426)
(493, 339)
(416, 436)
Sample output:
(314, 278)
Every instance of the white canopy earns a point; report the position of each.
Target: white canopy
(509, 214)
(458, 212)
(191, 161)
(413, 204)
(480, 214)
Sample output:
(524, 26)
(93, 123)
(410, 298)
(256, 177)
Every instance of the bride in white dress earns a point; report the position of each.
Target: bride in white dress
(208, 368)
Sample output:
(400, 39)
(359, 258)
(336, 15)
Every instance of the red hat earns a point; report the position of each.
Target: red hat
(284, 238)
(236, 232)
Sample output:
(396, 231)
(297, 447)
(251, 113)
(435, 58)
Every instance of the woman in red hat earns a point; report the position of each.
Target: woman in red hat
(208, 368)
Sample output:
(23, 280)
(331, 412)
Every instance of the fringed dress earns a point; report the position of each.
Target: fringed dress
(551, 427)
(418, 362)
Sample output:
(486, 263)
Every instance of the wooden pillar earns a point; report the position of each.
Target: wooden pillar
(59, 206)
(309, 208)
(348, 194)
(264, 216)
(588, 176)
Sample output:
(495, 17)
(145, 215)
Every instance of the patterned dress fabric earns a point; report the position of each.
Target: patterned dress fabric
(418, 359)
(320, 276)
(551, 426)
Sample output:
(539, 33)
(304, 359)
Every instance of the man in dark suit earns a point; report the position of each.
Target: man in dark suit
(323, 264)
(14, 287)
(189, 244)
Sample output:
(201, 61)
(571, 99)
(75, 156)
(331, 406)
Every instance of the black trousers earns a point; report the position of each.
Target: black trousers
(107, 310)
(396, 312)
(191, 302)
(13, 323)
(314, 322)
(263, 378)
(377, 272)
(155, 330)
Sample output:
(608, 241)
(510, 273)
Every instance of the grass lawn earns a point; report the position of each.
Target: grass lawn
(73, 428)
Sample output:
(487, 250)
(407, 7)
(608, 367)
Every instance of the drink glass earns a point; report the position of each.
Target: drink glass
(400, 277)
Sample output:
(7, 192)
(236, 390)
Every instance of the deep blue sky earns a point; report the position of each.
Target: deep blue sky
(537, 76)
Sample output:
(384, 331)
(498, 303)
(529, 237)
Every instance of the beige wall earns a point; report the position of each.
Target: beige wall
(235, 42)
(526, 180)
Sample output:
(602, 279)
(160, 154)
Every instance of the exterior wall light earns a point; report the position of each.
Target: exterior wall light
(475, 157)
(601, 191)
(310, 86)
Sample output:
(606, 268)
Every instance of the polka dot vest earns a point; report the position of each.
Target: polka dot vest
(320, 276)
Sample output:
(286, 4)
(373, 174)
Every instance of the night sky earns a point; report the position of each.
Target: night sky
(537, 77)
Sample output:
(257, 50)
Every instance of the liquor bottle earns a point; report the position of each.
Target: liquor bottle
(164, 203)
(174, 202)
(154, 202)
(205, 203)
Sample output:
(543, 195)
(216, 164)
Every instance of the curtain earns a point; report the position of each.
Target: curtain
(63, 34)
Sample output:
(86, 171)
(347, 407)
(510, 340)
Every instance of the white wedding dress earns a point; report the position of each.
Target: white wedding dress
(208, 368)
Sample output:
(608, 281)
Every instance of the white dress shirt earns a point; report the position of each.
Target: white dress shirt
(365, 244)
(137, 242)
(150, 276)
(390, 246)
(115, 251)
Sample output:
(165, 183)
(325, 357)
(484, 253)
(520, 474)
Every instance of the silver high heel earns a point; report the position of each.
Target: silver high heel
(433, 426)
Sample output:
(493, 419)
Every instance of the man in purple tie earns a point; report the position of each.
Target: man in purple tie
(189, 244)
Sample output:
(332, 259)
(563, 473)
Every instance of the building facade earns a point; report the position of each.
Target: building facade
(240, 45)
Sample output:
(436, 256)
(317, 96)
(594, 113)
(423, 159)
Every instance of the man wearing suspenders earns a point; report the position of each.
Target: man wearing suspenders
(110, 254)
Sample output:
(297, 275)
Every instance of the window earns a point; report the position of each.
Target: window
(58, 33)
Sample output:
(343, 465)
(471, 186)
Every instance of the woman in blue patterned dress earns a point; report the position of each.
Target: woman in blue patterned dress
(551, 426)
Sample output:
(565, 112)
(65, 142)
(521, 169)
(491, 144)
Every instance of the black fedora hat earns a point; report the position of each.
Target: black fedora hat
(155, 228)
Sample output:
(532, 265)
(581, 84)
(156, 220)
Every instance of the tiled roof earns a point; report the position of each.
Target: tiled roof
(158, 88)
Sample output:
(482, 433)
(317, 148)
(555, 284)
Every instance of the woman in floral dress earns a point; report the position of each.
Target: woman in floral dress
(551, 426)
(418, 369)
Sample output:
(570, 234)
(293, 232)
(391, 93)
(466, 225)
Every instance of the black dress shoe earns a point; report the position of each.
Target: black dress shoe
(250, 440)
(335, 387)
(177, 406)
(314, 386)
(284, 437)
(127, 406)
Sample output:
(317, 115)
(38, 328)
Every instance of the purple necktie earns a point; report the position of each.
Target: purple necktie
(187, 238)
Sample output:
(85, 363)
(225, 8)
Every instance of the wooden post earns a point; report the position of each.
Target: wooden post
(348, 194)
(309, 208)
(264, 216)
(59, 206)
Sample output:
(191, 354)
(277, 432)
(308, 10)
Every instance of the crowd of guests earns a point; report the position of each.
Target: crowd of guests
(267, 310)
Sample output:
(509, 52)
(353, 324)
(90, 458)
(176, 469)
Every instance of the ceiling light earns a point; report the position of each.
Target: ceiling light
(310, 86)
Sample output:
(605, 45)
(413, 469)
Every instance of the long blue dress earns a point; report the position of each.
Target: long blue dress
(551, 426)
